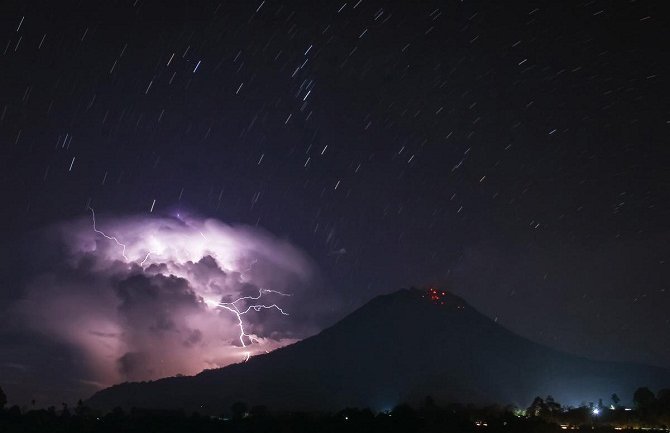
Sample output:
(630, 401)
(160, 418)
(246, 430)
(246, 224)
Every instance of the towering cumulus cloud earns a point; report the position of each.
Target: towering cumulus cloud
(140, 298)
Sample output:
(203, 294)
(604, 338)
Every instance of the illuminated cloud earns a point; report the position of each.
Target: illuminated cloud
(147, 297)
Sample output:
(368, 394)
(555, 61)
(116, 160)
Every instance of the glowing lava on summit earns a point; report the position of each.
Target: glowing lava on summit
(442, 297)
(436, 296)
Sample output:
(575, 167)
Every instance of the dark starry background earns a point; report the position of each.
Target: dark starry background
(513, 152)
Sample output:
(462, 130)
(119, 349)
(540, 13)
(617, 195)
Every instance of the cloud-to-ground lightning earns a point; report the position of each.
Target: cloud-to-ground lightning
(135, 280)
(233, 308)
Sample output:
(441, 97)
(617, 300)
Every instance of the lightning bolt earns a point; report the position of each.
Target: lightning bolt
(145, 258)
(229, 306)
(111, 238)
(233, 308)
(115, 239)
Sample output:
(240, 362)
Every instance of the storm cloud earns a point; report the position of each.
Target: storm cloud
(139, 298)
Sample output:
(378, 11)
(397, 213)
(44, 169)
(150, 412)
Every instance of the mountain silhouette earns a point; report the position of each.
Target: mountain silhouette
(396, 348)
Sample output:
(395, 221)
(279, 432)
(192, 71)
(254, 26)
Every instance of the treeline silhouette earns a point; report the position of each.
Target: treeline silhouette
(544, 415)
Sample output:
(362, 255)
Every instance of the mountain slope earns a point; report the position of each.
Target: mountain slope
(398, 347)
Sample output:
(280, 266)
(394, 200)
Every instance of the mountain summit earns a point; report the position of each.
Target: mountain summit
(396, 348)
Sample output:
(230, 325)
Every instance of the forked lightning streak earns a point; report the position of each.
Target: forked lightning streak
(229, 306)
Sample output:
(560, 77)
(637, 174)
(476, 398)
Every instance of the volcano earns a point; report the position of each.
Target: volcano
(396, 348)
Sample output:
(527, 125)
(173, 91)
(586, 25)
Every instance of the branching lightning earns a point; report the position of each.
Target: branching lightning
(115, 239)
(233, 308)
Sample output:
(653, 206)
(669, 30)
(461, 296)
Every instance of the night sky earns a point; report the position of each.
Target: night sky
(515, 153)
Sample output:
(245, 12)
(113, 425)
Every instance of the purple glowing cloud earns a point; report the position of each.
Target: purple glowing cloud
(147, 297)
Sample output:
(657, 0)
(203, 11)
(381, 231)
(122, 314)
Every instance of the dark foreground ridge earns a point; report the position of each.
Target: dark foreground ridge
(396, 348)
